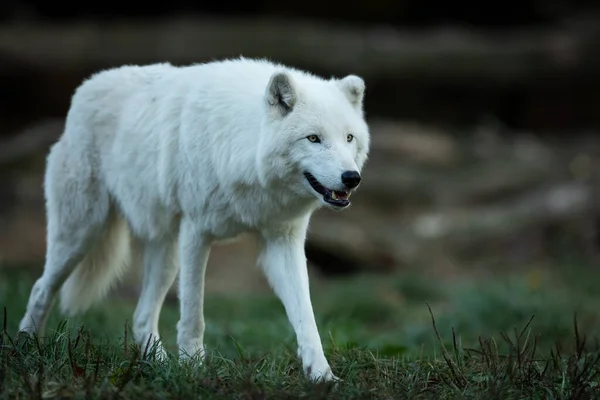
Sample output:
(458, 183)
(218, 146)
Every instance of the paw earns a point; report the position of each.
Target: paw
(24, 335)
(160, 354)
(193, 351)
(27, 326)
(315, 365)
(323, 374)
(26, 331)
(151, 346)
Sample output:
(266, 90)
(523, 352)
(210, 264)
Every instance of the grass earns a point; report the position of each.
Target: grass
(404, 337)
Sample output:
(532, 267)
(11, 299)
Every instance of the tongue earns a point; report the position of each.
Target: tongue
(340, 195)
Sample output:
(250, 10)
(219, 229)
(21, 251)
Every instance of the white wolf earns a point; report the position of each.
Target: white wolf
(157, 162)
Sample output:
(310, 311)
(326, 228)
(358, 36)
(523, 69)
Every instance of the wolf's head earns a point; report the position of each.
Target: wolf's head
(315, 135)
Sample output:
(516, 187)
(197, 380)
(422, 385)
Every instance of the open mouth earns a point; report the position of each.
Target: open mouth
(337, 198)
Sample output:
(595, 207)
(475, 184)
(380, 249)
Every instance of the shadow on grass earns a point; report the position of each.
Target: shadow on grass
(62, 366)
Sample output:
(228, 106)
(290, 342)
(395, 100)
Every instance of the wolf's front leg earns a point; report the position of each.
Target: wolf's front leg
(283, 259)
(194, 250)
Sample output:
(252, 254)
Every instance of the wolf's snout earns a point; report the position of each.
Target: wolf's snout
(351, 179)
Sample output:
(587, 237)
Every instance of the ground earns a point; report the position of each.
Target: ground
(377, 331)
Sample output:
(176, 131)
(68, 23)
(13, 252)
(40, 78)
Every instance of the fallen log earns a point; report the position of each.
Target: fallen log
(390, 184)
(383, 242)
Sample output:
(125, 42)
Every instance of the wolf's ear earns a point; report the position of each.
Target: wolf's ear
(354, 88)
(281, 94)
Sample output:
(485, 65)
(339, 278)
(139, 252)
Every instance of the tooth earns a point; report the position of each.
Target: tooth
(333, 196)
(348, 195)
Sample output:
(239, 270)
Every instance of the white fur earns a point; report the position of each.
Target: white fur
(157, 162)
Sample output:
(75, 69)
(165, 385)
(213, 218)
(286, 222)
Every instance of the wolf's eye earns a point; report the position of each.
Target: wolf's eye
(314, 139)
(349, 138)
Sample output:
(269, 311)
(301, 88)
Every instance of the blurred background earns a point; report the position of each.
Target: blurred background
(484, 172)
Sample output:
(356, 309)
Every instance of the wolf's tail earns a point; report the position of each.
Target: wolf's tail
(103, 266)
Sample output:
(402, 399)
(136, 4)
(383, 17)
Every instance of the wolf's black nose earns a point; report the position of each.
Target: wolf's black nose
(351, 179)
